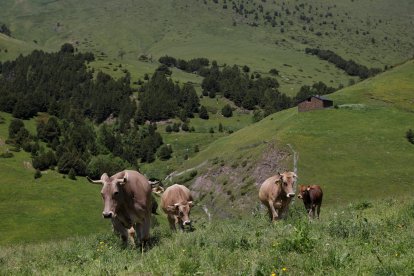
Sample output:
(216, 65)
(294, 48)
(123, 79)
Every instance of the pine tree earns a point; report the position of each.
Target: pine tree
(203, 113)
(227, 111)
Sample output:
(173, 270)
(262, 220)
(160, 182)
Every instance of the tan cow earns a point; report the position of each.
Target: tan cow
(176, 201)
(276, 193)
(128, 203)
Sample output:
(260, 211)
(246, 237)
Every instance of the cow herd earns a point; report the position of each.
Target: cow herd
(129, 202)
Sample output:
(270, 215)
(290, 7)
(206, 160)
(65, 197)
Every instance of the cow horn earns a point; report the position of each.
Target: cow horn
(122, 181)
(94, 181)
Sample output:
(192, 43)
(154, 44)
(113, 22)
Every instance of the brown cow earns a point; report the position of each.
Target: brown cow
(176, 201)
(312, 198)
(128, 203)
(276, 193)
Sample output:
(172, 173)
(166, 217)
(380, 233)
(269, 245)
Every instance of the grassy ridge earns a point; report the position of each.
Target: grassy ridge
(364, 238)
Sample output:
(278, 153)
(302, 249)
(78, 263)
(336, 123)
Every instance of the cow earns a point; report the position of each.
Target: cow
(312, 198)
(276, 193)
(176, 202)
(127, 198)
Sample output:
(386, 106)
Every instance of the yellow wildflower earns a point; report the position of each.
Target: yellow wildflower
(273, 274)
(101, 242)
(284, 269)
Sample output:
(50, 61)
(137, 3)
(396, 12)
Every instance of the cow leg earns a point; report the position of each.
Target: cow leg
(275, 215)
(121, 230)
(171, 220)
(145, 228)
(131, 236)
(319, 210)
(313, 211)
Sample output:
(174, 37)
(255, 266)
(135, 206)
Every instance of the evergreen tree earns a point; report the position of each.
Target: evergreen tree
(164, 152)
(72, 174)
(227, 111)
(203, 113)
(14, 127)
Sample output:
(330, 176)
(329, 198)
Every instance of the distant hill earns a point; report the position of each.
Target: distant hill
(260, 34)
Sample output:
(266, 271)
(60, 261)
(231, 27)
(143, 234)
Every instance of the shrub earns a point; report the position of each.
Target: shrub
(164, 153)
(410, 136)
(274, 72)
(227, 111)
(72, 174)
(14, 127)
(37, 174)
(203, 113)
(6, 155)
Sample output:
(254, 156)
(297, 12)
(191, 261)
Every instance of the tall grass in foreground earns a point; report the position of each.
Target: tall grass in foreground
(367, 238)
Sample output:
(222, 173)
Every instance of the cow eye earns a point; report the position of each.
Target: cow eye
(181, 213)
(116, 193)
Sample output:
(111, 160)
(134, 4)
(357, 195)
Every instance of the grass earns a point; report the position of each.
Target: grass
(50, 207)
(347, 240)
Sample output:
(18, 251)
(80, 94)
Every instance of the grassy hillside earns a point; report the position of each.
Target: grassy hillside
(355, 151)
(119, 32)
(10, 48)
(364, 238)
(50, 207)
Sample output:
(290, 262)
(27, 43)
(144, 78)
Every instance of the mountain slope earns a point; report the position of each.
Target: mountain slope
(356, 151)
(120, 31)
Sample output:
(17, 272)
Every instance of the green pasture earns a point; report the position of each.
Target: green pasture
(362, 238)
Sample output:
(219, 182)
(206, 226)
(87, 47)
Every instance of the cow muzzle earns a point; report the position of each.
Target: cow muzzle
(107, 214)
(290, 195)
(187, 222)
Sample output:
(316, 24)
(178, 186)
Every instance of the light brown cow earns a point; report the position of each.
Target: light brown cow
(312, 198)
(176, 201)
(128, 203)
(276, 193)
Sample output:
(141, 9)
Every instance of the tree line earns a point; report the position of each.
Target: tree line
(350, 67)
(246, 90)
(74, 147)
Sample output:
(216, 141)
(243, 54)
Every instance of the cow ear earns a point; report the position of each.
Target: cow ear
(105, 177)
(190, 203)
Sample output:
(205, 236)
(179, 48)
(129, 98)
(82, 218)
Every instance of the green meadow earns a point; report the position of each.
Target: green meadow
(363, 238)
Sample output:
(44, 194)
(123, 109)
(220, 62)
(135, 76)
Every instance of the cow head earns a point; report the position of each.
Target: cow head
(182, 211)
(303, 191)
(156, 187)
(287, 180)
(111, 192)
